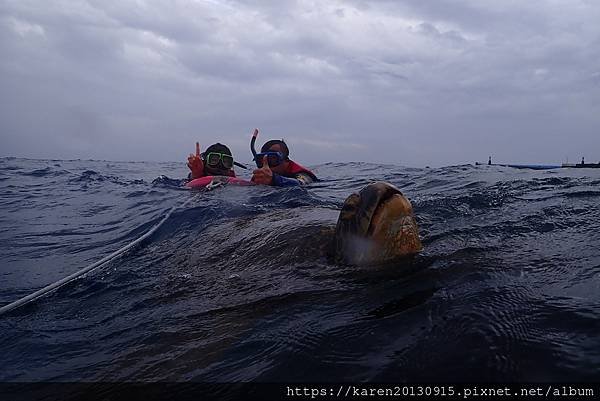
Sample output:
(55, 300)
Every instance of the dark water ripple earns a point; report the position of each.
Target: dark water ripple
(235, 286)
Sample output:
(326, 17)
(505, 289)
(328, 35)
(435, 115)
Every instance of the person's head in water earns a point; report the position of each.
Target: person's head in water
(278, 163)
(217, 160)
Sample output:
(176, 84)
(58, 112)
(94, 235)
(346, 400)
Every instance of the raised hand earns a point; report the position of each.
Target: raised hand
(263, 175)
(195, 163)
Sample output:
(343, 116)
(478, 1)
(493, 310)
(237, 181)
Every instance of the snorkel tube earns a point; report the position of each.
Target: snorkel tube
(252, 148)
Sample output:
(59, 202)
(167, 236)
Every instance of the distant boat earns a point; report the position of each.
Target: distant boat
(583, 164)
(522, 166)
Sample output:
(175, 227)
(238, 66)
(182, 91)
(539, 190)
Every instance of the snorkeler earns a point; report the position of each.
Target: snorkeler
(275, 167)
(216, 160)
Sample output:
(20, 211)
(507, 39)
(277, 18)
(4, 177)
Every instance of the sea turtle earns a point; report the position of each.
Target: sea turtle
(375, 226)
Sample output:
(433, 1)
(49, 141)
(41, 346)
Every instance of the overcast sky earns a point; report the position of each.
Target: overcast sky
(408, 82)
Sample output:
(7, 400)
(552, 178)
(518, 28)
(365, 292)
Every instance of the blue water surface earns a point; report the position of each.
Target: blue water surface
(235, 287)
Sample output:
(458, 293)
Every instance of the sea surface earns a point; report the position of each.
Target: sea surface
(234, 286)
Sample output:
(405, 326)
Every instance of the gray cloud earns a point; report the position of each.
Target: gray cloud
(411, 82)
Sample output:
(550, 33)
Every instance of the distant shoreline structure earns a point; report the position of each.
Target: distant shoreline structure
(581, 165)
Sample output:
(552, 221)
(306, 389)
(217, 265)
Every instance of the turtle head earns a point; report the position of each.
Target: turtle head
(376, 226)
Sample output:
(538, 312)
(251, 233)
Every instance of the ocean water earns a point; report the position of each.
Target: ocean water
(234, 286)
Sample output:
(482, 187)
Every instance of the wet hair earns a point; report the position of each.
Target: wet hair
(219, 169)
(217, 148)
(280, 142)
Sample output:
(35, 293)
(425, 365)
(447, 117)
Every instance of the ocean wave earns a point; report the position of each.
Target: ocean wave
(236, 284)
